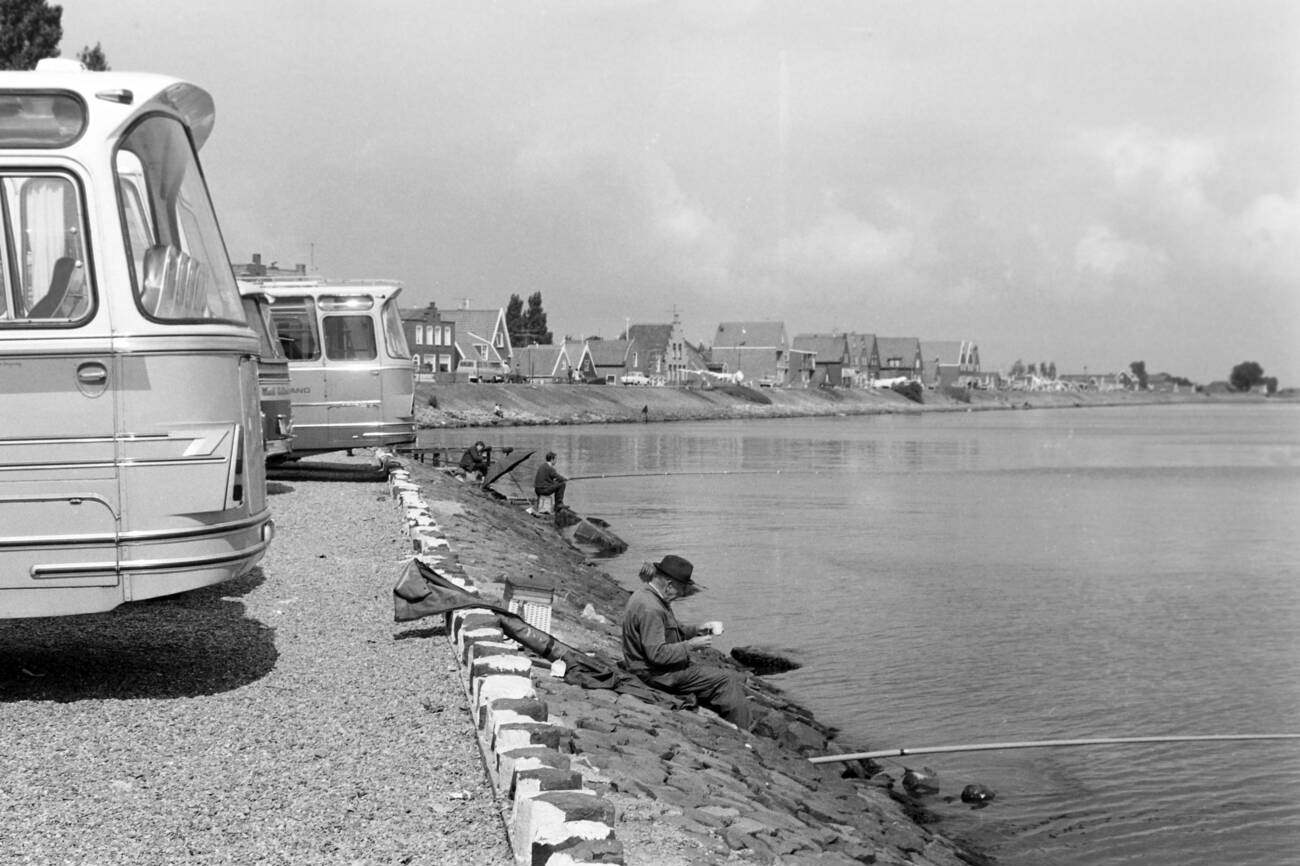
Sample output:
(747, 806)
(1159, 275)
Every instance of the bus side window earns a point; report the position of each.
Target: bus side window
(43, 258)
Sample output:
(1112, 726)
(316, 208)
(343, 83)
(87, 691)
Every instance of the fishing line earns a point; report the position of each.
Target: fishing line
(1044, 744)
(684, 472)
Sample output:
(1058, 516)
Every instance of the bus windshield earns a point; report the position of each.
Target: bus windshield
(180, 269)
(394, 333)
(295, 328)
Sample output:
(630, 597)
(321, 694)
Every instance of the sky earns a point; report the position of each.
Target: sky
(1086, 184)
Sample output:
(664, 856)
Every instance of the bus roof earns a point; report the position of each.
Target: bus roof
(283, 285)
(111, 98)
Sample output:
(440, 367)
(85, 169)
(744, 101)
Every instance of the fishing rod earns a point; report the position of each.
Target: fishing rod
(675, 472)
(1044, 744)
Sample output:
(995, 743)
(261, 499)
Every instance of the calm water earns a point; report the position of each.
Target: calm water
(1004, 576)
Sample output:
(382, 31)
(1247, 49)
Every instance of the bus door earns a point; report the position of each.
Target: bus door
(353, 380)
(298, 331)
(59, 501)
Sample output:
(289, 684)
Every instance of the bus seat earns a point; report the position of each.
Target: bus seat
(154, 278)
(48, 306)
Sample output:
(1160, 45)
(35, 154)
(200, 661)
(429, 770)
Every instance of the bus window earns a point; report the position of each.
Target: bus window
(182, 275)
(135, 213)
(295, 325)
(394, 334)
(350, 338)
(42, 251)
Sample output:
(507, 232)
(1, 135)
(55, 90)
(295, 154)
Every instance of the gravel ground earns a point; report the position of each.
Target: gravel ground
(280, 718)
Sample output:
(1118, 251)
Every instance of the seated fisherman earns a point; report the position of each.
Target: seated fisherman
(476, 458)
(656, 647)
(548, 482)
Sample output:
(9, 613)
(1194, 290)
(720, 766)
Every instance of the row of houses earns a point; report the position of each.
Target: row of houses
(475, 344)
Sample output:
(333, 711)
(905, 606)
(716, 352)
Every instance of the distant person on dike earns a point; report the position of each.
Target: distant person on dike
(656, 647)
(548, 482)
(475, 460)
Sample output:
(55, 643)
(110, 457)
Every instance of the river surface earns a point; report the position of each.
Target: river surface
(1001, 576)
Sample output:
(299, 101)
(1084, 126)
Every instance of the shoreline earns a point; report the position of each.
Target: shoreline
(466, 405)
(687, 788)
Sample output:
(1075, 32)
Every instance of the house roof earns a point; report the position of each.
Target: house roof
(608, 353)
(906, 348)
(480, 323)
(576, 349)
(947, 351)
(829, 348)
(650, 338)
(540, 360)
(943, 351)
(752, 334)
(476, 327)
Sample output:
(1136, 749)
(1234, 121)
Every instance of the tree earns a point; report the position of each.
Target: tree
(1017, 369)
(1139, 369)
(1246, 375)
(1051, 370)
(30, 31)
(515, 320)
(534, 322)
(93, 58)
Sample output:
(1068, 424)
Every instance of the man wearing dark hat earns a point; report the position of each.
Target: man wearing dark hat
(656, 647)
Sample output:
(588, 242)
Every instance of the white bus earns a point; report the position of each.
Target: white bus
(353, 380)
(131, 456)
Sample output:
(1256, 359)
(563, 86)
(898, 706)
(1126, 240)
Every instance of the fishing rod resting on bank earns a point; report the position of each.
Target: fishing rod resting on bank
(680, 472)
(1043, 744)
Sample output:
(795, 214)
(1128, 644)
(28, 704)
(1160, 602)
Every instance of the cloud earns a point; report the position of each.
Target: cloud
(1103, 260)
(628, 208)
(842, 244)
(1268, 234)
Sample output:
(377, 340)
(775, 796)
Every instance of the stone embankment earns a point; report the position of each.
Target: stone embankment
(465, 405)
(597, 776)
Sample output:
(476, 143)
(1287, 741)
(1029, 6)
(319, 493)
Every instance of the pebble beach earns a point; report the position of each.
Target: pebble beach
(275, 719)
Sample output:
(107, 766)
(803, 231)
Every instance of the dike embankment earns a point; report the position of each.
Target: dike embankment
(466, 405)
(593, 775)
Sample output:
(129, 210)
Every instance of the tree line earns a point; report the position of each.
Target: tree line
(31, 30)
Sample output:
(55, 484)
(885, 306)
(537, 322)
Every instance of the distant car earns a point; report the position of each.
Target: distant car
(635, 379)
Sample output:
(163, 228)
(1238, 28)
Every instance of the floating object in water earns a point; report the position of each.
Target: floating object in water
(595, 532)
(977, 795)
(765, 660)
(922, 781)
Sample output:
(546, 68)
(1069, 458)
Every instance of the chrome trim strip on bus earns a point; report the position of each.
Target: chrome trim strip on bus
(141, 535)
(85, 569)
(85, 440)
(329, 404)
(109, 464)
(299, 426)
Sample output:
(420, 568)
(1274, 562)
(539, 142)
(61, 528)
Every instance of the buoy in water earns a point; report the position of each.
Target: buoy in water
(977, 795)
(922, 781)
